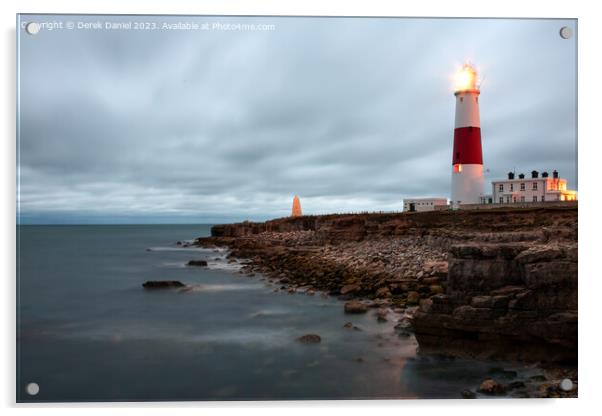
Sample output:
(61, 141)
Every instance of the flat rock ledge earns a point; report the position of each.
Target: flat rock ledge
(163, 284)
(197, 263)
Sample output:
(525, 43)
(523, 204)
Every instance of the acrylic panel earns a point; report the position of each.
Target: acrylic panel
(291, 208)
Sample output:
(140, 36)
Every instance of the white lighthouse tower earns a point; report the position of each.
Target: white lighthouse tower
(467, 158)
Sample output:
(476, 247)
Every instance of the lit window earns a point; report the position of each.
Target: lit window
(522, 186)
(457, 168)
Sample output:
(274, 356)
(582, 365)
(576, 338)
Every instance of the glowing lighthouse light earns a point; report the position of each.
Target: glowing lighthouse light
(467, 157)
(466, 78)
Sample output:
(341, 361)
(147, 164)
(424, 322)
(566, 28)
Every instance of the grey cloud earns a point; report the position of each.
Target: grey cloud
(351, 114)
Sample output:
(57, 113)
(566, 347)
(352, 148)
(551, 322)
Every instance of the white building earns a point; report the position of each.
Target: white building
(423, 204)
(533, 189)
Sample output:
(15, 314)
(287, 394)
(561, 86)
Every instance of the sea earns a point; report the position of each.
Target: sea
(87, 330)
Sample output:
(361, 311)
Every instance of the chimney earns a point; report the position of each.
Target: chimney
(510, 175)
(555, 174)
(534, 174)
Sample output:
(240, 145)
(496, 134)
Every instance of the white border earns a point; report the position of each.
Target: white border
(590, 71)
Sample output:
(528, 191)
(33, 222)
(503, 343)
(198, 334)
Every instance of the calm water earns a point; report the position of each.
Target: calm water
(88, 331)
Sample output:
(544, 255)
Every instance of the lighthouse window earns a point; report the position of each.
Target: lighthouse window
(522, 186)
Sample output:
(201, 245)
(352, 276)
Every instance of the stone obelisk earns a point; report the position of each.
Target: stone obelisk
(296, 207)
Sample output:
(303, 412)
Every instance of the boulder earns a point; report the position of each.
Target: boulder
(163, 284)
(518, 384)
(426, 305)
(197, 263)
(492, 387)
(468, 394)
(349, 325)
(383, 292)
(403, 324)
(436, 289)
(309, 339)
(437, 268)
(413, 298)
(381, 315)
(355, 306)
(350, 289)
(539, 254)
(481, 302)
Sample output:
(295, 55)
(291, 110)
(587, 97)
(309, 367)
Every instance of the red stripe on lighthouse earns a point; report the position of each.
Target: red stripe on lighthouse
(467, 146)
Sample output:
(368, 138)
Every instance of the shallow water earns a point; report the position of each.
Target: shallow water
(88, 331)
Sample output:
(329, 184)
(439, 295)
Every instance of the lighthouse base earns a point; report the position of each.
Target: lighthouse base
(468, 184)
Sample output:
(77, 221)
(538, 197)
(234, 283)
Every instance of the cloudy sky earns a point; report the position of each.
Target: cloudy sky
(217, 125)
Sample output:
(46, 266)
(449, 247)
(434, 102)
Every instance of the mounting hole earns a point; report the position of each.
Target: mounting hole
(32, 389)
(565, 32)
(32, 28)
(566, 385)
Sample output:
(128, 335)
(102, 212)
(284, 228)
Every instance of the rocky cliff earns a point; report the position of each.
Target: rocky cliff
(518, 299)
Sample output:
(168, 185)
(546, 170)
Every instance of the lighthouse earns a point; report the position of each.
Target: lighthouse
(467, 158)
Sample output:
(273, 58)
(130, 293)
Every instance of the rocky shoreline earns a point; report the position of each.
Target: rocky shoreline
(494, 284)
